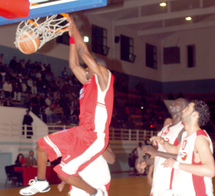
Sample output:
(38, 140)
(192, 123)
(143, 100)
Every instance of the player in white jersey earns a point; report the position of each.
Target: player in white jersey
(162, 176)
(194, 167)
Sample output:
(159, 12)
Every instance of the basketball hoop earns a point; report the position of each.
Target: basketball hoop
(52, 27)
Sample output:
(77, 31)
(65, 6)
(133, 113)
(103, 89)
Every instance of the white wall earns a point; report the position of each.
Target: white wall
(204, 40)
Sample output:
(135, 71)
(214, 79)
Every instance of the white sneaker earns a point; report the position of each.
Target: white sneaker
(35, 187)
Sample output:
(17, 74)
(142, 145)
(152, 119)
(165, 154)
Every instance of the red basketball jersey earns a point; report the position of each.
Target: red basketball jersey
(96, 106)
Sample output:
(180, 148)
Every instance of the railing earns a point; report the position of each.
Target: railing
(130, 134)
(20, 131)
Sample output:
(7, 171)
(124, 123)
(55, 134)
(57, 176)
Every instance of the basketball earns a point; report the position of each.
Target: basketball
(27, 43)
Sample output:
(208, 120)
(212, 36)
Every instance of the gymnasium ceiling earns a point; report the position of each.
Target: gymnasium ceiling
(148, 18)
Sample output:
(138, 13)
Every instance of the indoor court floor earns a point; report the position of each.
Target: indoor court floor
(122, 186)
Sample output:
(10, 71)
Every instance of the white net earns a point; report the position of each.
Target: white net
(45, 30)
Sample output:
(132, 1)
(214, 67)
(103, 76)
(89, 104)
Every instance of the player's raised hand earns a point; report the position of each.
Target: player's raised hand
(71, 22)
(158, 139)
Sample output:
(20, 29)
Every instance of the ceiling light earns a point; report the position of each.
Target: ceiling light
(163, 4)
(86, 39)
(188, 18)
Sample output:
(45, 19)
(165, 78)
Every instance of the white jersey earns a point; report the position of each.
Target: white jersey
(162, 176)
(185, 183)
(96, 174)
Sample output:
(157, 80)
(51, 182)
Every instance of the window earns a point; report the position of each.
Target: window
(127, 49)
(63, 39)
(151, 56)
(191, 55)
(99, 40)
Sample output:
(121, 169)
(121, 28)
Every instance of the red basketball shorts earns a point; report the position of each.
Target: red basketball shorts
(77, 147)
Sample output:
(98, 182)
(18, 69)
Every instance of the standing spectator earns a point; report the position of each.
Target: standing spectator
(27, 120)
(7, 87)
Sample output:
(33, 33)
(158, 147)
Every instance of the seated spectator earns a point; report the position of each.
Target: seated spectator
(171, 96)
(64, 73)
(57, 94)
(48, 100)
(2, 95)
(20, 160)
(2, 58)
(65, 89)
(51, 117)
(13, 63)
(30, 160)
(43, 114)
(30, 84)
(28, 100)
(17, 92)
(24, 86)
(58, 110)
(34, 88)
(180, 95)
(1, 102)
(7, 87)
(8, 103)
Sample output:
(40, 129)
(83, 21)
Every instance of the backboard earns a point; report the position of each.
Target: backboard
(42, 8)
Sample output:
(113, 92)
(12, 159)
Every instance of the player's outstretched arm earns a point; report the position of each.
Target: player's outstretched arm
(153, 152)
(84, 53)
(74, 64)
(168, 147)
(202, 154)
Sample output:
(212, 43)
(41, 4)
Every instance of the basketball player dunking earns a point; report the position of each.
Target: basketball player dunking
(80, 145)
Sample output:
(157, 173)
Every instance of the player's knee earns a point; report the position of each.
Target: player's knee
(39, 148)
